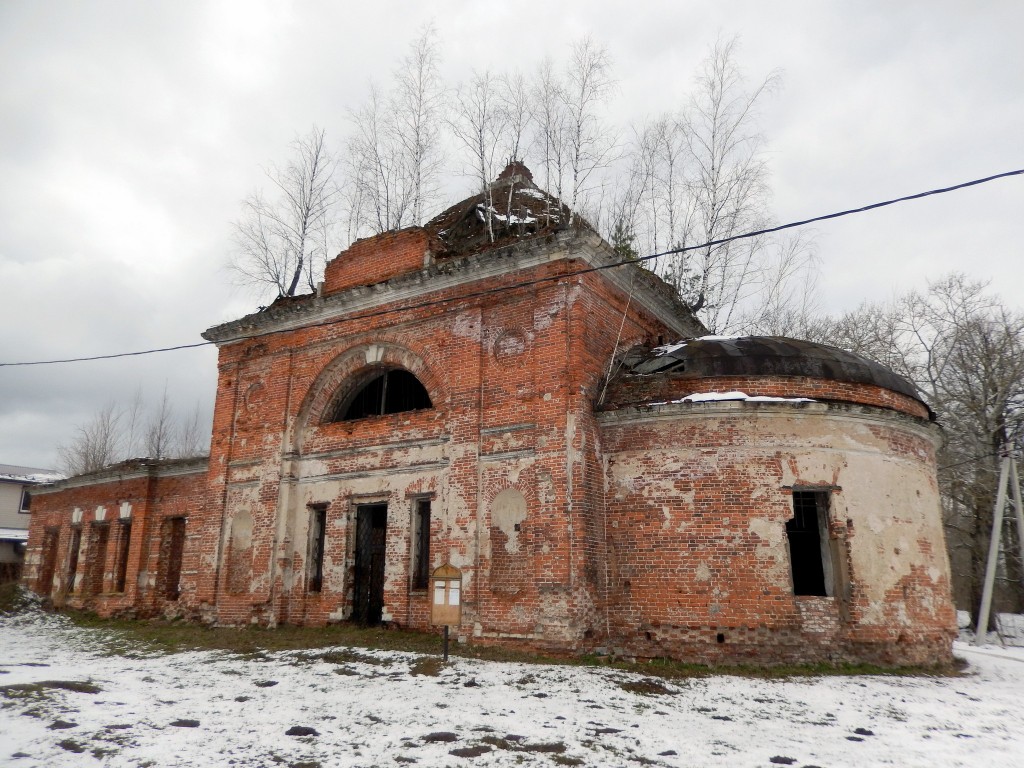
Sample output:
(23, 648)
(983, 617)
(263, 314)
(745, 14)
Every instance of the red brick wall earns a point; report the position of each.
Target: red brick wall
(152, 500)
(376, 259)
(698, 498)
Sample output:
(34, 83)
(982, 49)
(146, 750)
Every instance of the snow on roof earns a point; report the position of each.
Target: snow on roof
(17, 474)
(13, 534)
(708, 397)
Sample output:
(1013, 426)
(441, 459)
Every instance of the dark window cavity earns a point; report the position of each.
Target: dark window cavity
(26, 502)
(809, 547)
(317, 540)
(420, 543)
(76, 544)
(49, 561)
(172, 548)
(385, 392)
(96, 560)
(123, 542)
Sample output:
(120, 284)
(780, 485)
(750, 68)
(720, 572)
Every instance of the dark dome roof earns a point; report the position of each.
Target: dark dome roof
(765, 356)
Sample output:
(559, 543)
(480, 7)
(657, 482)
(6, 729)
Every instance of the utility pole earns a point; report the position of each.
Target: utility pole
(1008, 476)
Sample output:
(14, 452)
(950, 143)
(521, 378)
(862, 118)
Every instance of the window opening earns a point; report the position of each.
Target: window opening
(809, 550)
(76, 544)
(49, 564)
(317, 541)
(172, 548)
(123, 542)
(390, 391)
(421, 544)
(99, 536)
(26, 503)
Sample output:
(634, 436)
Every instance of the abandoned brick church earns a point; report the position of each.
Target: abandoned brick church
(490, 391)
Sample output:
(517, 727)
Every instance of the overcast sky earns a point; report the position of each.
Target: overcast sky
(130, 132)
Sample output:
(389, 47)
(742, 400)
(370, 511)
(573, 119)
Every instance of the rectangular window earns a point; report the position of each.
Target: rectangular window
(96, 558)
(317, 541)
(810, 552)
(421, 543)
(123, 543)
(26, 502)
(172, 549)
(76, 544)
(49, 562)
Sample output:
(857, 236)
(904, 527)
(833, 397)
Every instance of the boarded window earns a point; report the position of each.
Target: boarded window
(124, 540)
(385, 392)
(76, 545)
(809, 549)
(172, 548)
(317, 541)
(421, 543)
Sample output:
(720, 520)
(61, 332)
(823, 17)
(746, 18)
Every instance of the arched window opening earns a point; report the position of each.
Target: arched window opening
(390, 391)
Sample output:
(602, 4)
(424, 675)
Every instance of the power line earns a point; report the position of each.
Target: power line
(538, 281)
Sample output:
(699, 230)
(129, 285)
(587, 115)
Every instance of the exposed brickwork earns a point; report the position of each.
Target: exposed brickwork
(579, 522)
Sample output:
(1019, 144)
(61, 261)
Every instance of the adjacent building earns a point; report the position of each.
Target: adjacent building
(16, 484)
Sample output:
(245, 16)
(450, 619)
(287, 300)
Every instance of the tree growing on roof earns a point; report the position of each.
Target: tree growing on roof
(283, 238)
(394, 154)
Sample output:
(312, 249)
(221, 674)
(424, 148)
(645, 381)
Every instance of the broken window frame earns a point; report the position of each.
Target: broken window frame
(317, 544)
(25, 505)
(812, 568)
(381, 391)
(419, 560)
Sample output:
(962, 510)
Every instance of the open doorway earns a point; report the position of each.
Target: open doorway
(371, 543)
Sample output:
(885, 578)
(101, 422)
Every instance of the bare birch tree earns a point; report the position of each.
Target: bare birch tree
(417, 107)
(589, 139)
(95, 444)
(476, 122)
(381, 186)
(285, 238)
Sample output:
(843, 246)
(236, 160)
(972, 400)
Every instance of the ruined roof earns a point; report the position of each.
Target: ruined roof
(511, 208)
(712, 356)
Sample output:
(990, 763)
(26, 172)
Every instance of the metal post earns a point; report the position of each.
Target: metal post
(446, 643)
(993, 551)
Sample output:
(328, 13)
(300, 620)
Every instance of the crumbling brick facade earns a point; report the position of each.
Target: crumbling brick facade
(585, 509)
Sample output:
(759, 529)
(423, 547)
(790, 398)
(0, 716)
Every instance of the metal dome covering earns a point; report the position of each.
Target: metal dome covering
(713, 356)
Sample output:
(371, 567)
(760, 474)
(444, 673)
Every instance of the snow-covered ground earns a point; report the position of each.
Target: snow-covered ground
(67, 700)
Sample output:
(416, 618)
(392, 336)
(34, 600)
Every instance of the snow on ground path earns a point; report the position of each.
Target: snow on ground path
(368, 708)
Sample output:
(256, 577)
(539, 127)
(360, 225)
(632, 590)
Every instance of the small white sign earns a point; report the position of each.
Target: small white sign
(438, 593)
(453, 593)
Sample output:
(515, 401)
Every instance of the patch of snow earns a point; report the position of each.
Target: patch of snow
(13, 534)
(34, 478)
(666, 349)
(532, 193)
(719, 338)
(374, 708)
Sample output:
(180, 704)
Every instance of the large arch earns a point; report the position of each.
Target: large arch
(348, 370)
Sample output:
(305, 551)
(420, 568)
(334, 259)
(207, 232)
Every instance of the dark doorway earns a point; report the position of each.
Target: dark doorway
(371, 542)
